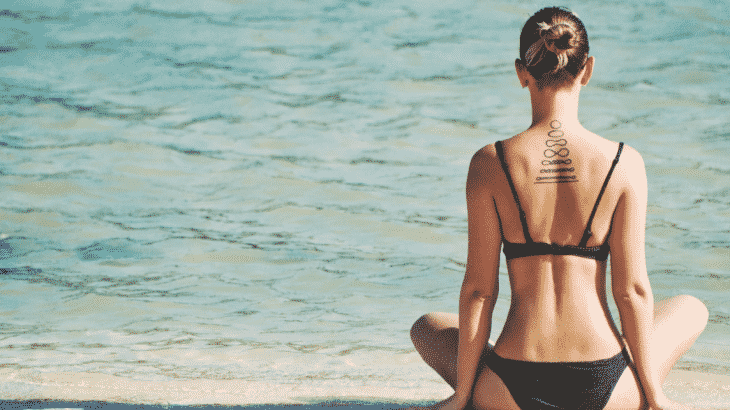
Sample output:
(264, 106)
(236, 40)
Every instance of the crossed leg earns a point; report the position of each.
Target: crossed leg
(436, 338)
(678, 321)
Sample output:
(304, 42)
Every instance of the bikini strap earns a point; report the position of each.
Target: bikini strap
(588, 233)
(523, 217)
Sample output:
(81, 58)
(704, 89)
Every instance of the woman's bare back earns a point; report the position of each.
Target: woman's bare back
(559, 310)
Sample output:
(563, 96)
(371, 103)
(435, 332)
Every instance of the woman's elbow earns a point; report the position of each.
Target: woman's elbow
(632, 293)
(473, 290)
(479, 296)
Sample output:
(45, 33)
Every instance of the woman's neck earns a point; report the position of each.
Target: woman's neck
(550, 104)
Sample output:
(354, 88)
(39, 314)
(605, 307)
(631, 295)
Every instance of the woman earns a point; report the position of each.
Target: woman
(562, 197)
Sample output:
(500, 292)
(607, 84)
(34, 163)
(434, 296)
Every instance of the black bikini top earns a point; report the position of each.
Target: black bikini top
(531, 248)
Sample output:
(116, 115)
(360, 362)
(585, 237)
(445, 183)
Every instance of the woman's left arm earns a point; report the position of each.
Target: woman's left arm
(481, 283)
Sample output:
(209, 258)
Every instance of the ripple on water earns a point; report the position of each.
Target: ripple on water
(274, 190)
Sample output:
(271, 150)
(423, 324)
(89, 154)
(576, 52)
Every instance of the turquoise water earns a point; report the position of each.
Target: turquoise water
(273, 191)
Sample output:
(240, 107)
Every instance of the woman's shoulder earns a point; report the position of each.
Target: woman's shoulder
(611, 146)
(630, 165)
(631, 157)
(484, 168)
(630, 172)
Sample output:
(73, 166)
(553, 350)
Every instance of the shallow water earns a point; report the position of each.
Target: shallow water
(273, 191)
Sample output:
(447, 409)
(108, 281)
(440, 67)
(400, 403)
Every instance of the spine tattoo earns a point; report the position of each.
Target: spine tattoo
(556, 153)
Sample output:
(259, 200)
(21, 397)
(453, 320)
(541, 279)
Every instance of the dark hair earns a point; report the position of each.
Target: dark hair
(553, 42)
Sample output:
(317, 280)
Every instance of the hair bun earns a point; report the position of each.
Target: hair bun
(559, 38)
(553, 44)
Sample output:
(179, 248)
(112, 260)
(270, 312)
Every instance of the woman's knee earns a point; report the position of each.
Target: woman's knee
(430, 325)
(422, 326)
(691, 311)
(695, 308)
(418, 328)
(698, 310)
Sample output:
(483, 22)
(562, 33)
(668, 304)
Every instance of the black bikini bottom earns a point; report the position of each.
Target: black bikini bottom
(559, 385)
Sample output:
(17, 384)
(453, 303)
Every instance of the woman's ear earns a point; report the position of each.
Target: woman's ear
(522, 73)
(587, 71)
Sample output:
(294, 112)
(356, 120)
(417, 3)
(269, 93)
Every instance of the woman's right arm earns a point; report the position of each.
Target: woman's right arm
(480, 287)
(629, 278)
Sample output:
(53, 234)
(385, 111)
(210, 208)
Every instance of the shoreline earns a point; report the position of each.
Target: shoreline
(33, 390)
(359, 403)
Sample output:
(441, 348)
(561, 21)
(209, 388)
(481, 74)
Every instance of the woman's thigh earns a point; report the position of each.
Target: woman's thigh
(490, 393)
(436, 337)
(678, 321)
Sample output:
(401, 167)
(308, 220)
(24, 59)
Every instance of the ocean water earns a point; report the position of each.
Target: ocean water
(273, 191)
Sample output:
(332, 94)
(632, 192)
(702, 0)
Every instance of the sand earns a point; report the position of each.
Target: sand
(32, 390)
